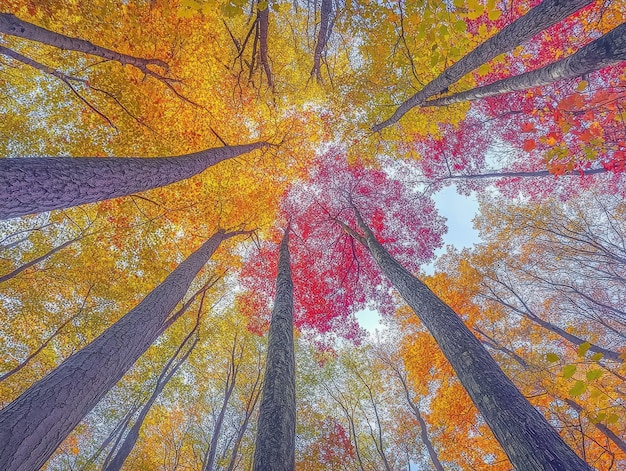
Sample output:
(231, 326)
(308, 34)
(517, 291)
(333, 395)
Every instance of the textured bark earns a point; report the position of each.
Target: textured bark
(544, 15)
(326, 10)
(275, 441)
(11, 25)
(605, 51)
(229, 387)
(525, 435)
(34, 185)
(33, 425)
(169, 370)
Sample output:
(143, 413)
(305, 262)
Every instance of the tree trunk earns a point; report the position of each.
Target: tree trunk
(32, 426)
(525, 435)
(264, 20)
(248, 411)
(231, 379)
(46, 342)
(326, 11)
(11, 25)
(605, 51)
(538, 173)
(544, 15)
(39, 259)
(432, 453)
(34, 185)
(169, 370)
(275, 441)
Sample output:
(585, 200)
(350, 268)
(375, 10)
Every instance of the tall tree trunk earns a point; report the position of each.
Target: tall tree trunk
(432, 453)
(538, 173)
(527, 313)
(231, 379)
(33, 425)
(39, 259)
(46, 342)
(605, 51)
(275, 441)
(11, 25)
(115, 434)
(251, 403)
(264, 21)
(525, 435)
(34, 185)
(326, 10)
(169, 370)
(544, 15)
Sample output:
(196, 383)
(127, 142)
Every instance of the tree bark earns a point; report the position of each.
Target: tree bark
(33, 425)
(525, 435)
(34, 185)
(231, 379)
(326, 10)
(169, 370)
(275, 442)
(11, 25)
(607, 50)
(544, 15)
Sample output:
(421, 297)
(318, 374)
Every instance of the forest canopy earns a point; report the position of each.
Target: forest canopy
(197, 198)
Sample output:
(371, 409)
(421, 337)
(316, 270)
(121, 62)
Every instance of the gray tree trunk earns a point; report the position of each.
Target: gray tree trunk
(525, 435)
(33, 426)
(544, 15)
(607, 50)
(432, 453)
(169, 370)
(11, 25)
(538, 173)
(275, 441)
(34, 185)
(231, 380)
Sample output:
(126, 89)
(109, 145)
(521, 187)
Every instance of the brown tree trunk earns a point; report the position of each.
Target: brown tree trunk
(11, 25)
(605, 51)
(169, 370)
(34, 185)
(544, 15)
(525, 435)
(326, 10)
(32, 426)
(276, 430)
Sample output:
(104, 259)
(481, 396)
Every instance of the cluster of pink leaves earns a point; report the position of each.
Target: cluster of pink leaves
(334, 275)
